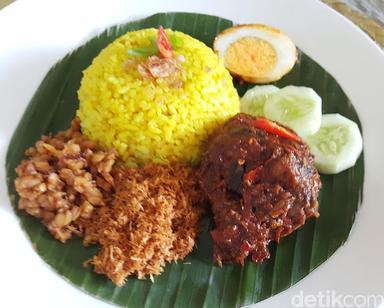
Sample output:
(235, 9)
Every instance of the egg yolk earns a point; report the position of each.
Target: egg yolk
(250, 56)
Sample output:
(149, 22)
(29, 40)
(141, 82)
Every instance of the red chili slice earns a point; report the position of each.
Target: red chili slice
(251, 175)
(273, 128)
(245, 247)
(164, 44)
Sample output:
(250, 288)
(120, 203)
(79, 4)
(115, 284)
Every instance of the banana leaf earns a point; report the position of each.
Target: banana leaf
(196, 281)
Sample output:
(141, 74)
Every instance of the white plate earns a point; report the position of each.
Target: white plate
(35, 34)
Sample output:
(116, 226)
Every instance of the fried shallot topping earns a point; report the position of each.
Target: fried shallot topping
(161, 64)
(167, 69)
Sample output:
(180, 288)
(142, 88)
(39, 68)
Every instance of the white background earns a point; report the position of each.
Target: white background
(35, 34)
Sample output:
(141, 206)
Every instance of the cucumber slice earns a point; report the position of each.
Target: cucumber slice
(298, 108)
(254, 99)
(337, 145)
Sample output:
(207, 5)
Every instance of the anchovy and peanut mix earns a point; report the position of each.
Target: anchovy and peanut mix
(63, 180)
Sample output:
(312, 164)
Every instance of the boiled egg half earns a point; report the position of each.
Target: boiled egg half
(256, 53)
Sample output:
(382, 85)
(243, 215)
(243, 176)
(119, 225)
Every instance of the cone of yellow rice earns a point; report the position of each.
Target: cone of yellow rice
(149, 120)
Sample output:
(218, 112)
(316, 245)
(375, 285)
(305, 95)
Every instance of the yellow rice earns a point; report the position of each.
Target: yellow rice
(149, 121)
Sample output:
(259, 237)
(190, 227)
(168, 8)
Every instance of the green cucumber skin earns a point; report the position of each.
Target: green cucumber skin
(298, 108)
(337, 145)
(253, 100)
